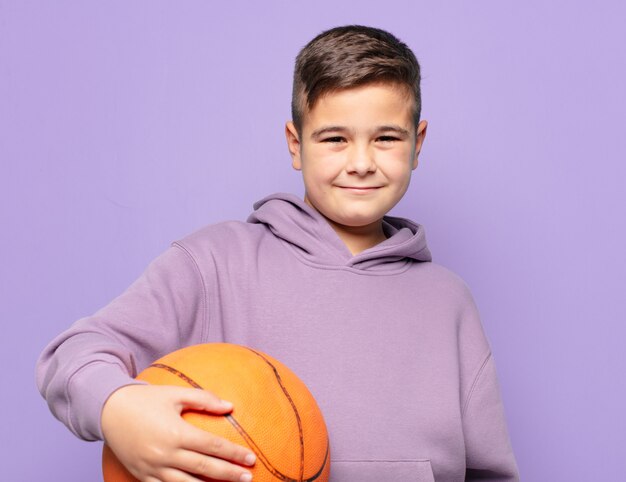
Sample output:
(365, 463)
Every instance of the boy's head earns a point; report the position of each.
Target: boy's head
(352, 56)
(355, 133)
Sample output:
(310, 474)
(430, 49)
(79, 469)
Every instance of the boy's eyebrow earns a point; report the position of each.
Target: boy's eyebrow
(394, 128)
(384, 128)
(323, 130)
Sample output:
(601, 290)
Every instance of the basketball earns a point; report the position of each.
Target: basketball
(274, 413)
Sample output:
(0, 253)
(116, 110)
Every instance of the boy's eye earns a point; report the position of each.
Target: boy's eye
(333, 139)
(387, 138)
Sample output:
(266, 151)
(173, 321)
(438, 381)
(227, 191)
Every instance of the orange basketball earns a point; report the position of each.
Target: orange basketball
(274, 413)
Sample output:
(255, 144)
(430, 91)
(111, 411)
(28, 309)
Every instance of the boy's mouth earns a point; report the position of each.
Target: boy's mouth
(356, 188)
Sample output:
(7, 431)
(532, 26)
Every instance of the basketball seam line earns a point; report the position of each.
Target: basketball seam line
(293, 407)
(268, 465)
(232, 421)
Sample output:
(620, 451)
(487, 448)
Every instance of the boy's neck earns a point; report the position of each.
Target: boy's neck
(359, 238)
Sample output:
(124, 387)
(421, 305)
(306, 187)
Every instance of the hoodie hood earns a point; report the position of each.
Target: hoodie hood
(311, 236)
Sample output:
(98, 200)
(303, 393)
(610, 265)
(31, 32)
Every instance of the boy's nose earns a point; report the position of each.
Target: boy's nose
(361, 161)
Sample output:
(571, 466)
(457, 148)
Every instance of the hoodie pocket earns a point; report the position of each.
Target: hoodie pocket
(381, 471)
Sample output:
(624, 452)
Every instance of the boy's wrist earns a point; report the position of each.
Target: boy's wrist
(87, 398)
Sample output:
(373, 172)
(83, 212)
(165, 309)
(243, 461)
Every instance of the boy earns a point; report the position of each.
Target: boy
(389, 343)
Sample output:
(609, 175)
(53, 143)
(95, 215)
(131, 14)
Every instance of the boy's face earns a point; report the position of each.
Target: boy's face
(357, 150)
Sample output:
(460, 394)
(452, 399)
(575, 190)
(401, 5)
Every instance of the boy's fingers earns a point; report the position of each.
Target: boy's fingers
(173, 475)
(206, 443)
(197, 399)
(212, 467)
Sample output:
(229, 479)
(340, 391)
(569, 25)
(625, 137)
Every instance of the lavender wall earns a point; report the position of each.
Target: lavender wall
(126, 125)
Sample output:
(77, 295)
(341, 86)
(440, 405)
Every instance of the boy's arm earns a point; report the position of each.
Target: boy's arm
(161, 311)
(489, 455)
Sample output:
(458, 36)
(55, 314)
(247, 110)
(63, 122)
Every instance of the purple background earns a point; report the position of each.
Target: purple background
(126, 125)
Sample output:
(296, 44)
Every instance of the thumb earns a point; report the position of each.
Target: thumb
(199, 399)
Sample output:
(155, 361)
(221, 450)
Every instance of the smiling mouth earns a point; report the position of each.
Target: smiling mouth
(359, 191)
(360, 188)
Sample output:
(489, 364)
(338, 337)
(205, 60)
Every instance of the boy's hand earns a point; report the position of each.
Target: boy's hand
(142, 425)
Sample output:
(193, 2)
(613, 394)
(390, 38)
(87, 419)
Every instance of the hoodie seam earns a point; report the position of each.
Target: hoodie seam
(205, 318)
(475, 384)
(70, 400)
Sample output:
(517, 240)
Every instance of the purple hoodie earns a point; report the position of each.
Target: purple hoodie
(389, 343)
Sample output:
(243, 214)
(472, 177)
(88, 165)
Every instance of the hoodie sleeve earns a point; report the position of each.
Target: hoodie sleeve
(161, 311)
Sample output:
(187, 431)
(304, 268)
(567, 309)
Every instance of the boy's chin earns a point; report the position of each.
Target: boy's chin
(348, 220)
(355, 222)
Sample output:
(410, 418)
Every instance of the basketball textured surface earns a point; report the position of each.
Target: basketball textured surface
(274, 413)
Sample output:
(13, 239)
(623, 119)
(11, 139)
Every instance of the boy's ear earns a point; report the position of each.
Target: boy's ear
(420, 134)
(293, 144)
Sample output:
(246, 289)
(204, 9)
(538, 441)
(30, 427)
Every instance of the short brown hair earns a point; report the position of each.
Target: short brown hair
(351, 56)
